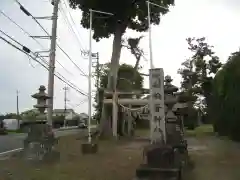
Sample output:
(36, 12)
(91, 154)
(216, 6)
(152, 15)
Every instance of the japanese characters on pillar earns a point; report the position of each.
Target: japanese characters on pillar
(156, 104)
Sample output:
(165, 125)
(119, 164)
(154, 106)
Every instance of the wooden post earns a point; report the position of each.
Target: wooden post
(129, 121)
(115, 114)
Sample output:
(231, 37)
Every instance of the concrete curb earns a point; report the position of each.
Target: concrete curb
(66, 128)
(8, 153)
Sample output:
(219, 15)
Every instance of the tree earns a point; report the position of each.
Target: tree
(133, 46)
(226, 99)
(12, 116)
(30, 115)
(130, 14)
(198, 72)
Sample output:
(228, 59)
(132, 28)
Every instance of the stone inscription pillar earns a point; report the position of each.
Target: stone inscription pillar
(156, 105)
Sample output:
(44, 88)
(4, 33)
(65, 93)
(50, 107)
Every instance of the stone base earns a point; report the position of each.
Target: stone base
(144, 171)
(89, 148)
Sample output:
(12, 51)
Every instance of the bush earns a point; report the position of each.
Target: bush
(190, 119)
(224, 109)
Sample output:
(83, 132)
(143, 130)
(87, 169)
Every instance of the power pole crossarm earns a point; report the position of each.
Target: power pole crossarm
(52, 61)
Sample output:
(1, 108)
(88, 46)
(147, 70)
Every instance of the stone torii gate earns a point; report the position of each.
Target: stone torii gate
(159, 104)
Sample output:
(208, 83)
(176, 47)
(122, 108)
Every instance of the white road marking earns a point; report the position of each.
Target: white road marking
(10, 151)
(57, 132)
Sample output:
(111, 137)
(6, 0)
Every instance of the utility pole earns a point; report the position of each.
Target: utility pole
(90, 70)
(52, 61)
(150, 29)
(90, 78)
(97, 66)
(65, 104)
(97, 69)
(18, 109)
(98, 76)
(150, 35)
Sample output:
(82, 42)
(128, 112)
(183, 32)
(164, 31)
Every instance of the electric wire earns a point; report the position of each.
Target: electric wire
(45, 61)
(29, 14)
(27, 52)
(70, 28)
(27, 33)
(74, 24)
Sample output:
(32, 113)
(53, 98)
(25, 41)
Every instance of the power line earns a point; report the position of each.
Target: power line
(81, 102)
(45, 61)
(70, 28)
(28, 51)
(14, 22)
(70, 15)
(25, 11)
(10, 19)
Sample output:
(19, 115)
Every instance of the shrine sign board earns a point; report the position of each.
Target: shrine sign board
(156, 104)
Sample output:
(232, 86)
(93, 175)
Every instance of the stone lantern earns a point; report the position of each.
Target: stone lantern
(169, 94)
(172, 121)
(41, 105)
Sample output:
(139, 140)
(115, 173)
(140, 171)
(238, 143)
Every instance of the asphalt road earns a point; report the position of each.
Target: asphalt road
(15, 141)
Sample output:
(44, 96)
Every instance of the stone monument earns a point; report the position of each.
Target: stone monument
(166, 155)
(156, 104)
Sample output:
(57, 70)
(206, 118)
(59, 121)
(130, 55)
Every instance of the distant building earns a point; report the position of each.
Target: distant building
(70, 113)
(83, 117)
(61, 112)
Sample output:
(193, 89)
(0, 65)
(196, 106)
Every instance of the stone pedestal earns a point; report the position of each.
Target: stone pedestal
(89, 148)
(162, 162)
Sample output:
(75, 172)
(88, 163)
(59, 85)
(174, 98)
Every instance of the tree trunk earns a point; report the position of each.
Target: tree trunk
(137, 63)
(105, 129)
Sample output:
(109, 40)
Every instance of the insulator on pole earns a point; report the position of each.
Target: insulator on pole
(24, 48)
(25, 11)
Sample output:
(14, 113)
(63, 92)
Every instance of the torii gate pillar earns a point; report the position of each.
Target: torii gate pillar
(115, 114)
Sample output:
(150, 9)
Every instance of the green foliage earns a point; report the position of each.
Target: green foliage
(2, 117)
(126, 14)
(190, 118)
(225, 100)
(201, 131)
(30, 115)
(129, 79)
(197, 73)
(11, 116)
(133, 45)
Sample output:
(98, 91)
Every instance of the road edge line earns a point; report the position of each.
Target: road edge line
(10, 151)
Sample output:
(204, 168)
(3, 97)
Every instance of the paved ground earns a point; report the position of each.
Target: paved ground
(15, 141)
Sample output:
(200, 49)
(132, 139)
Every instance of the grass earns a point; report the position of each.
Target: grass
(14, 131)
(219, 160)
(115, 160)
(118, 160)
(214, 158)
(200, 131)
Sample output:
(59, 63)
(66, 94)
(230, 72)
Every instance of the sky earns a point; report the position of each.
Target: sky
(214, 19)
